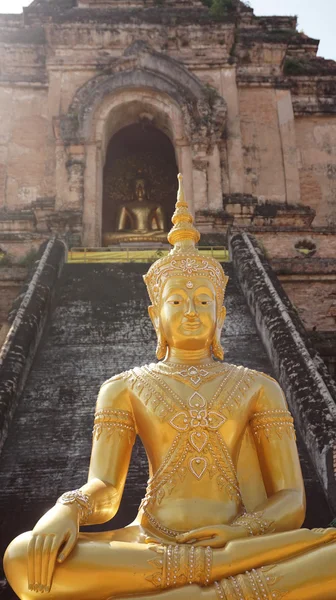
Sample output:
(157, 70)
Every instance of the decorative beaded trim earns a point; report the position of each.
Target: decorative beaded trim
(172, 533)
(109, 420)
(191, 375)
(182, 565)
(208, 565)
(82, 502)
(254, 523)
(272, 422)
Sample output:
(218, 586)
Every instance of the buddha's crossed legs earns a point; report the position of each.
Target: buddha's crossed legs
(292, 569)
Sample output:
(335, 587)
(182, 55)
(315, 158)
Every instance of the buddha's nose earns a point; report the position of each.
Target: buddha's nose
(191, 310)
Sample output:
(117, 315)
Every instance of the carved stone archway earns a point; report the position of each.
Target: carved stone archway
(142, 82)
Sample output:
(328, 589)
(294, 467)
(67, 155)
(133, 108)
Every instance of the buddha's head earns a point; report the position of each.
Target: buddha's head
(140, 187)
(186, 291)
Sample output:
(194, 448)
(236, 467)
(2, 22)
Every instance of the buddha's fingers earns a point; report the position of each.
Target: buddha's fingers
(68, 547)
(38, 561)
(45, 561)
(31, 563)
(197, 534)
(52, 561)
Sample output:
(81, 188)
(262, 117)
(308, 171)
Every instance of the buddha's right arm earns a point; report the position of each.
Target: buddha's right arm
(113, 438)
(121, 219)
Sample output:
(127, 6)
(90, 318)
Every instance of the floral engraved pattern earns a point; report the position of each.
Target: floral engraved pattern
(197, 421)
(192, 376)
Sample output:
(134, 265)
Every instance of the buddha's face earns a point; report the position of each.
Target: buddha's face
(188, 315)
(140, 190)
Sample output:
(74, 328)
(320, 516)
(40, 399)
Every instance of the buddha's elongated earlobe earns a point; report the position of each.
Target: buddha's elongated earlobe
(217, 348)
(161, 348)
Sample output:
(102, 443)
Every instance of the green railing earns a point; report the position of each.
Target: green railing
(134, 254)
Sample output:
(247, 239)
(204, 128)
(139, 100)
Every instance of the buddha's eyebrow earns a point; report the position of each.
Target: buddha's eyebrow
(173, 290)
(204, 290)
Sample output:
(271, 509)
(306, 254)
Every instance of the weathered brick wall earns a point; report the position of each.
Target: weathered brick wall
(316, 141)
(310, 283)
(281, 243)
(315, 302)
(27, 151)
(263, 160)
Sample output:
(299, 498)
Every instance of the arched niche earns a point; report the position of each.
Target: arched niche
(138, 150)
(140, 82)
(121, 110)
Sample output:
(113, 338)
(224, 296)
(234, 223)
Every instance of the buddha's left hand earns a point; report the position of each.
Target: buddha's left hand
(215, 537)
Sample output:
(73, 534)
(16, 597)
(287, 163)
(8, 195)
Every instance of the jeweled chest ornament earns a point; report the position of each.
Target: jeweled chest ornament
(197, 421)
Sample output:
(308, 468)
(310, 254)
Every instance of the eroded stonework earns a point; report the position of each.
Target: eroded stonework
(248, 107)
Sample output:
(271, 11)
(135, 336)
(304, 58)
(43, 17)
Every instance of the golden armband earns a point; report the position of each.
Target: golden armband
(181, 565)
(82, 502)
(272, 423)
(254, 523)
(109, 421)
(252, 584)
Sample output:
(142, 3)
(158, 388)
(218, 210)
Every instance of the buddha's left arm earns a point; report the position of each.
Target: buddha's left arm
(113, 438)
(160, 219)
(273, 430)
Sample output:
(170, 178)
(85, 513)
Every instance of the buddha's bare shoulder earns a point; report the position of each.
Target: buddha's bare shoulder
(115, 391)
(253, 380)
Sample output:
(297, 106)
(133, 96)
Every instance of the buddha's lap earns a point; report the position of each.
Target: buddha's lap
(134, 539)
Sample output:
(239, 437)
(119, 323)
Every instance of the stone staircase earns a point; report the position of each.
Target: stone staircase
(98, 327)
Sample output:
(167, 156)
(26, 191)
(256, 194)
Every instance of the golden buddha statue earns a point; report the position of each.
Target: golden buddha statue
(225, 499)
(139, 220)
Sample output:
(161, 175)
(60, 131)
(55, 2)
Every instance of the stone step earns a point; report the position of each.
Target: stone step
(99, 327)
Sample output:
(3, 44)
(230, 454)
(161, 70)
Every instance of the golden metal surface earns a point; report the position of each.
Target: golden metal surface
(138, 220)
(135, 254)
(225, 500)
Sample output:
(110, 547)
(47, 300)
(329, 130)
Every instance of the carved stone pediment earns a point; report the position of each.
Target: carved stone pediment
(204, 110)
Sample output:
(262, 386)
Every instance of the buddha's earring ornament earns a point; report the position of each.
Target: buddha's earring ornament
(217, 348)
(161, 348)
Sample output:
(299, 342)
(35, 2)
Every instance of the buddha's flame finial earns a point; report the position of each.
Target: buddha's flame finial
(183, 235)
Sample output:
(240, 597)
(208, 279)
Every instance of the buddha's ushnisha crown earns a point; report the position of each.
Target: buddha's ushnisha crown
(184, 259)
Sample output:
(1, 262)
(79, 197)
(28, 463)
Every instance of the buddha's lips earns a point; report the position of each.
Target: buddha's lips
(192, 324)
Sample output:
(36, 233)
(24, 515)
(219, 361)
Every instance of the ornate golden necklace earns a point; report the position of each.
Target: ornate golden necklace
(191, 375)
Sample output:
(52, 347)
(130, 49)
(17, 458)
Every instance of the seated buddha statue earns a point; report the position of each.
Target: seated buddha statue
(225, 499)
(138, 220)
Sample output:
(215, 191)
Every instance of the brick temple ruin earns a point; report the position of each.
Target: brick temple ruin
(91, 90)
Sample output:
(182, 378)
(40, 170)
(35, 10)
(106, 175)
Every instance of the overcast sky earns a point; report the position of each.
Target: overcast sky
(316, 18)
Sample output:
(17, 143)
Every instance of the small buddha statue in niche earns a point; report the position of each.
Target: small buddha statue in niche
(138, 220)
(225, 499)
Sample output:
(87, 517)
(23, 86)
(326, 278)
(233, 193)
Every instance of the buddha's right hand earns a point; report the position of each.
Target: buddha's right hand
(53, 538)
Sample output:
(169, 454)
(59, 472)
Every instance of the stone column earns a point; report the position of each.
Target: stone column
(75, 166)
(229, 92)
(288, 143)
(215, 191)
(92, 208)
(200, 177)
